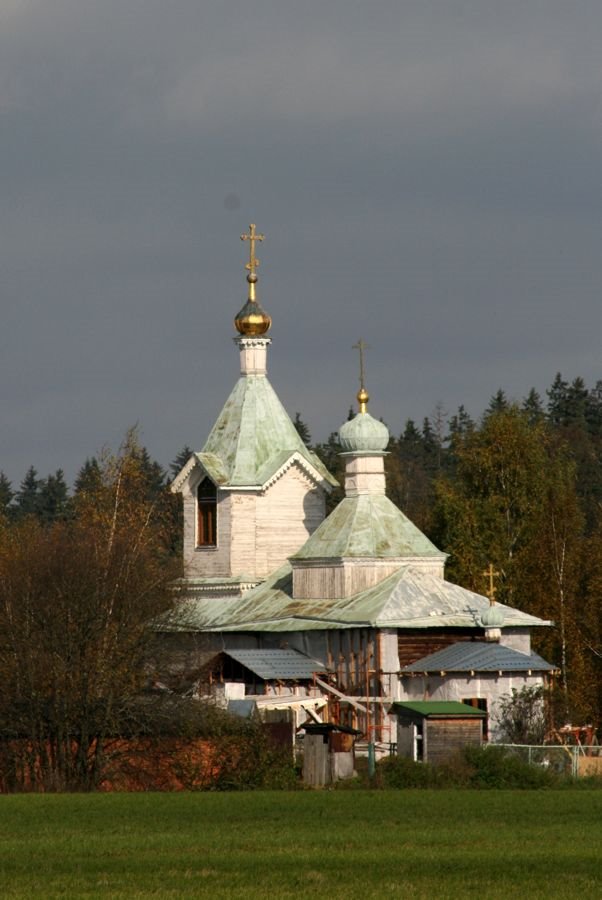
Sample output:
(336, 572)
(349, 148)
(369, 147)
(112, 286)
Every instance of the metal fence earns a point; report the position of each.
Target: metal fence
(562, 759)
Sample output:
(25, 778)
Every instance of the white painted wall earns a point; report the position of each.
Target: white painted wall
(489, 686)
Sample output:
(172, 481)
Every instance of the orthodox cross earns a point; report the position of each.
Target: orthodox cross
(361, 346)
(251, 237)
(490, 573)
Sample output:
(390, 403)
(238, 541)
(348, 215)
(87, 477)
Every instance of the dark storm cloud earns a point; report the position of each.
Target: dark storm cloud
(427, 174)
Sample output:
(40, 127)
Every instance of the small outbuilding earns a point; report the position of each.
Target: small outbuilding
(328, 753)
(434, 730)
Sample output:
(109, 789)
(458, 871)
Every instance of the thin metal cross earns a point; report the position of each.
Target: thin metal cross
(490, 573)
(361, 346)
(252, 237)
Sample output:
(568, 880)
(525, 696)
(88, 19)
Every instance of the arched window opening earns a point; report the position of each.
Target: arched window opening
(207, 514)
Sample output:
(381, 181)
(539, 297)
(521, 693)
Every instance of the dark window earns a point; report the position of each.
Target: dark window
(207, 514)
(480, 703)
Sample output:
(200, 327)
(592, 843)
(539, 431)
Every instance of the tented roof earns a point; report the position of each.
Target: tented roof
(253, 438)
(368, 526)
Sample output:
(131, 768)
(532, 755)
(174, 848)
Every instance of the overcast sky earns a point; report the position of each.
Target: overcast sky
(427, 175)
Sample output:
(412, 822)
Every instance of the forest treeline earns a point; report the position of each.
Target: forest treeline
(519, 488)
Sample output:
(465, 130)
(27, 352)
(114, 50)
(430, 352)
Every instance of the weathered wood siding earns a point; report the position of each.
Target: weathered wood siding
(256, 531)
(413, 645)
(211, 562)
(287, 514)
(444, 738)
(243, 530)
(332, 582)
(316, 760)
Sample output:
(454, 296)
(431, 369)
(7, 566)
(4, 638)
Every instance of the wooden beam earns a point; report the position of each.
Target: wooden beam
(312, 714)
(328, 687)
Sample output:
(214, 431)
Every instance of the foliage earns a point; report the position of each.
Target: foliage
(76, 600)
(6, 494)
(250, 761)
(473, 767)
(494, 767)
(401, 772)
(302, 429)
(521, 718)
(180, 460)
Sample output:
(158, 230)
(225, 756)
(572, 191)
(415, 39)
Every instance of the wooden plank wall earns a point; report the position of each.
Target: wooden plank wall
(414, 645)
(446, 737)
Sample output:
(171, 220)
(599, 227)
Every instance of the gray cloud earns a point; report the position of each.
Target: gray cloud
(427, 174)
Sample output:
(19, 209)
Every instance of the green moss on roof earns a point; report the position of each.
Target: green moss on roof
(254, 436)
(367, 526)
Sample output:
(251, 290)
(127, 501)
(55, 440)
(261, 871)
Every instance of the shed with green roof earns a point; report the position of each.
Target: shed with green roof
(435, 731)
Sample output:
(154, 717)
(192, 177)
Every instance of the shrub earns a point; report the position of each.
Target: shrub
(400, 772)
(521, 719)
(251, 761)
(495, 767)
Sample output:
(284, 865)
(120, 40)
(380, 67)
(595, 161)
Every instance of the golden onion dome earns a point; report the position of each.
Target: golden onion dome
(252, 320)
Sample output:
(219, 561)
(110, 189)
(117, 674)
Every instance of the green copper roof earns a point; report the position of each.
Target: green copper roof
(409, 598)
(254, 436)
(369, 525)
(214, 467)
(363, 433)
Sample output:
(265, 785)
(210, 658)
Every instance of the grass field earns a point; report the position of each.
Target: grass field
(418, 844)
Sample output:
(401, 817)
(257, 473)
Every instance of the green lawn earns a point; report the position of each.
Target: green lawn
(431, 844)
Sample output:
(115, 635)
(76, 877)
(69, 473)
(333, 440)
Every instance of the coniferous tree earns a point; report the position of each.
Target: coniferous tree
(409, 469)
(431, 450)
(302, 430)
(594, 410)
(330, 454)
(53, 500)
(6, 495)
(558, 400)
(577, 397)
(28, 495)
(152, 472)
(498, 402)
(88, 478)
(533, 407)
(180, 460)
(460, 423)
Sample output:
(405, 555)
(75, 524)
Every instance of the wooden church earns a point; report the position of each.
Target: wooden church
(333, 619)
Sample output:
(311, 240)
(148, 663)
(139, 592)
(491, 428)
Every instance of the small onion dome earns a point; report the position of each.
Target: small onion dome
(363, 434)
(492, 617)
(252, 320)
